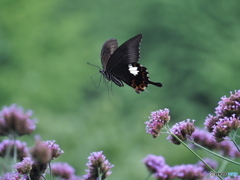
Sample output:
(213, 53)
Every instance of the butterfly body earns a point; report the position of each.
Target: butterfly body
(120, 64)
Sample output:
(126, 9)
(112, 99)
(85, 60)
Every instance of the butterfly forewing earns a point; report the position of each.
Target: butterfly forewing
(107, 50)
(127, 53)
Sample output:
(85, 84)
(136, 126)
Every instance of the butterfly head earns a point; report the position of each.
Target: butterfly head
(105, 74)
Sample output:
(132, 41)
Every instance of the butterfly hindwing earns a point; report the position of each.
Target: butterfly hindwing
(136, 76)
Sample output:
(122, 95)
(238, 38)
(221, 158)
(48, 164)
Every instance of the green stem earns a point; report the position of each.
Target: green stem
(235, 143)
(50, 170)
(149, 175)
(194, 153)
(14, 152)
(29, 177)
(99, 174)
(43, 177)
(222, 157)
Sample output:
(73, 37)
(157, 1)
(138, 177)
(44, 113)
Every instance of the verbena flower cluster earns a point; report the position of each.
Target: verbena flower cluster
(162, 171)
(157, 120)
(227, 119)
(181, 130)
(15, 122)
(34, 162)
(98, 164)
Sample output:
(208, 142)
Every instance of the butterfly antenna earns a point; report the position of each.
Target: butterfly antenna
(93, 65)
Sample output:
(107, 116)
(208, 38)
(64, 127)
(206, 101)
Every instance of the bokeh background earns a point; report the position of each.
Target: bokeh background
(192, 47)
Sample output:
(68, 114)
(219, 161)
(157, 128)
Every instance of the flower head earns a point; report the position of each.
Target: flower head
(25, 166)
(188, 171)
(41, 155)
(224, 126)
(181, 130)
(56, 150)
(210, 122)
(164, 173)
(154, 163)
(156, 121)
(98, 166)
(12, 176)
(229, 106)
(63, 170)
(14, 121)
(7, 148)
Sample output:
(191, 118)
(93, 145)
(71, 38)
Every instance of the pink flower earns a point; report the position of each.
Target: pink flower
(98, 165)
(181, 130)
(156, 122)
(14, 121)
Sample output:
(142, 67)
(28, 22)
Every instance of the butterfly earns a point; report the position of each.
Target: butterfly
(120, 64)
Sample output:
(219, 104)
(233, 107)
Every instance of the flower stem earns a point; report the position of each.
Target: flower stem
(235, 143)
(99, 174)
(14, 152)
(149, 175)
(185, 145)
(50, 170)
(222, 157)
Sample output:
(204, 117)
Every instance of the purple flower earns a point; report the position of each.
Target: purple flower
(14, 121)
(206, 139)
(41, 155)
(181, 130)
(224, 126)
(56, 151)
(7, 148)
(210, 122)
(154, 163)
(164, 173)
(211, 163)
(12, 176)
(188, 171)
(156, 121)
(63, 170)
(229, 106)
(25, 166)
(98, 165)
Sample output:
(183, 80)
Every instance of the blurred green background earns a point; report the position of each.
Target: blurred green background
(192, 47)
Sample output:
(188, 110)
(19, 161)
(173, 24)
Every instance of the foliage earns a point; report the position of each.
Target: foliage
(191, 47)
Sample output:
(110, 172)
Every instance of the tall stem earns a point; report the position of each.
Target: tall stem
(215, 154)
(185, 145)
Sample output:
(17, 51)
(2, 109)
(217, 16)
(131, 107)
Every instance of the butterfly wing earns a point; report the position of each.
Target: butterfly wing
(127, 53)
(136, 76)
(107, 50)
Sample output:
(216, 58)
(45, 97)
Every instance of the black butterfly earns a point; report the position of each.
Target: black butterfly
(120, 64)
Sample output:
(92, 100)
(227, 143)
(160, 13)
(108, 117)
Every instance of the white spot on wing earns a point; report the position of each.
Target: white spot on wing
(133, 70)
